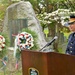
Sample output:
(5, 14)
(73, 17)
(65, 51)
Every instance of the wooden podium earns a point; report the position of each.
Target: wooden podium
(47, 63)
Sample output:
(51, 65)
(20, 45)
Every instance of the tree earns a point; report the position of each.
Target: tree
(42, 6)
(55, 22)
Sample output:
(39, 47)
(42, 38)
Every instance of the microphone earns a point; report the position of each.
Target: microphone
(49, 43)
(52, 41)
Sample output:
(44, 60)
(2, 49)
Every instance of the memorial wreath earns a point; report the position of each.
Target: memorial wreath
(24, 40)
(27, 39)
(2, 42)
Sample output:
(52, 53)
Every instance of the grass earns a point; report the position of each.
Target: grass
(7, 73)
(46, 31)
(65, 34)
(60, 50)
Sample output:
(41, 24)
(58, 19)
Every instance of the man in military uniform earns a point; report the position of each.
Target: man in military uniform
(71, 41)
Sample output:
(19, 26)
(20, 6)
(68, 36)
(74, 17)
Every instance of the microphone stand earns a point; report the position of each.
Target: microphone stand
(49, 43)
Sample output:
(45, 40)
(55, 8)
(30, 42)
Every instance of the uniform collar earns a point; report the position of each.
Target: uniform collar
(73, 33)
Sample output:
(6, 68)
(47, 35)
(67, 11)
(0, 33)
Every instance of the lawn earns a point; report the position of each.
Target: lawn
(11, 73)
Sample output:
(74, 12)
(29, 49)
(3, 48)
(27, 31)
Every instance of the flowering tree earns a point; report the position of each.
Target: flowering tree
(54, 21)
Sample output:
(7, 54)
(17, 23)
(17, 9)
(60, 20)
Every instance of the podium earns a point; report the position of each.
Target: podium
(47, 63)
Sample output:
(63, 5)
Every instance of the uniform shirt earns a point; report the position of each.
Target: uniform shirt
(71, 45)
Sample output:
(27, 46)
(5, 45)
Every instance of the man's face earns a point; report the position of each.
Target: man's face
(72, 27)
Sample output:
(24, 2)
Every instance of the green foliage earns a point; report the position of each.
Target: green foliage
(60, 50)
(67, 34)
(56, 0)
(35, 37)
(2, 11)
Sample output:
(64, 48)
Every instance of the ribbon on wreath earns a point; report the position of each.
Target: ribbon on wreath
(23, 40)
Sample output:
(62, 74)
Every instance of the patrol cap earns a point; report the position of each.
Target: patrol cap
(71, 20)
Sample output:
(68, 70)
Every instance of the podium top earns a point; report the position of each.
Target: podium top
(43, 52)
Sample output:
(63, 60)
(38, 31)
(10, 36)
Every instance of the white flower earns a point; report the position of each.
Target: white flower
(0, 49)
